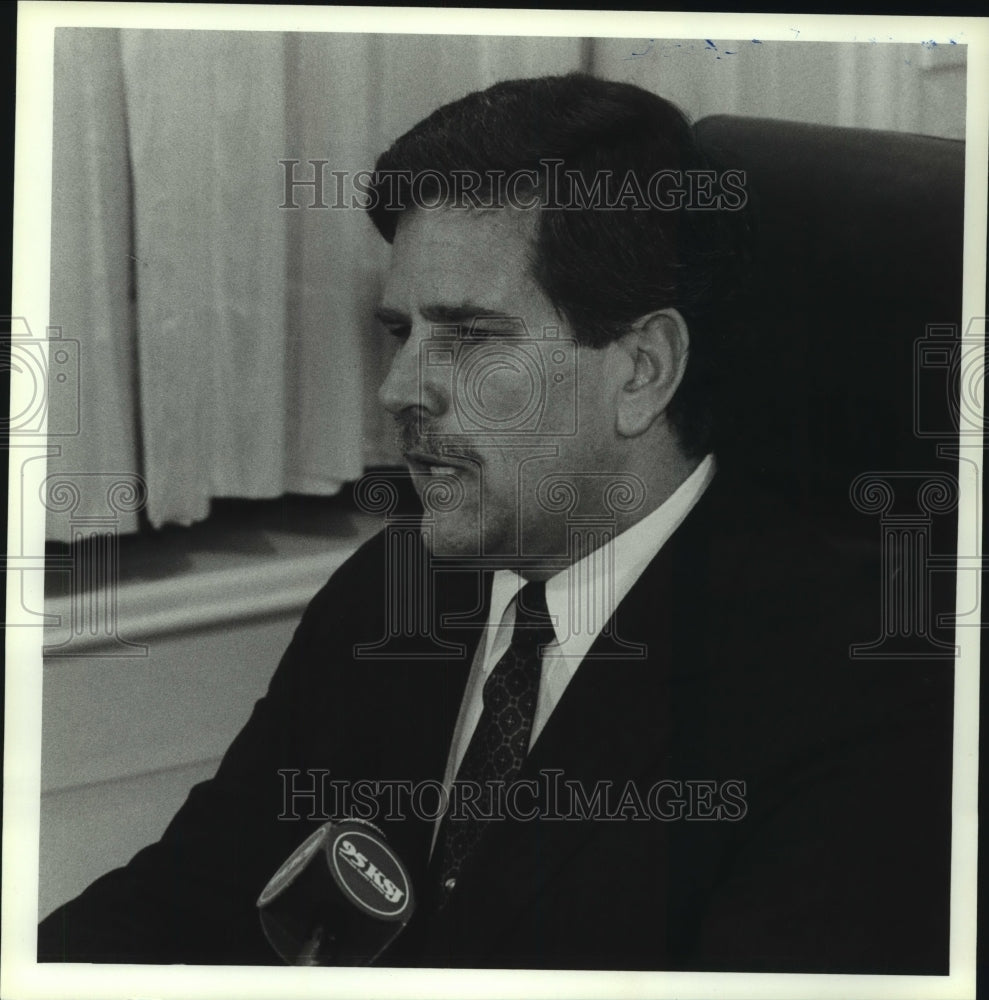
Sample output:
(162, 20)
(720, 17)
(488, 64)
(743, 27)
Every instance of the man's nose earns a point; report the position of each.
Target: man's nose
(411, 382)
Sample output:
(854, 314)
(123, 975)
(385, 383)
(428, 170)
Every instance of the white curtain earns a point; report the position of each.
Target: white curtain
(96, 431)
(226, 345)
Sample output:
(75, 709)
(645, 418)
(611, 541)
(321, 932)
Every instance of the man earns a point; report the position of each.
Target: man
(629, 670)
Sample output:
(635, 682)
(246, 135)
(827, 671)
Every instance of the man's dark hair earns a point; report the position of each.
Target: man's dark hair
(601, 266)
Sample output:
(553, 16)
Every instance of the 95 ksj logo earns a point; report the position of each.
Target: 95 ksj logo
(369, 872)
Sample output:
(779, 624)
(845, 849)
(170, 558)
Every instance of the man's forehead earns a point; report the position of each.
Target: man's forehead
(452, 220)
(454, 257)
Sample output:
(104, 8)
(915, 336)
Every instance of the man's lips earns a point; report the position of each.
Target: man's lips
(435, 465)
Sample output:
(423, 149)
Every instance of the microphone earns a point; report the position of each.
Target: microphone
(340, 898)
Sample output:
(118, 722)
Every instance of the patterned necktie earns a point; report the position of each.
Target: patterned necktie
(501, 739)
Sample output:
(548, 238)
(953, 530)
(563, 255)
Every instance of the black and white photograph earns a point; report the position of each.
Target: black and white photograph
(494, 503)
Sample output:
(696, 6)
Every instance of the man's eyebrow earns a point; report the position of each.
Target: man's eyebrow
(464, 312)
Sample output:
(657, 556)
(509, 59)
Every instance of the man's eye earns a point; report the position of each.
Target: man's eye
(400, 332)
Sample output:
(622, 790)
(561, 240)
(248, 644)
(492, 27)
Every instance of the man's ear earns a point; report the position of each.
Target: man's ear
(657, 346)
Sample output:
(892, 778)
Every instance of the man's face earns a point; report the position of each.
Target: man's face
(498, 408)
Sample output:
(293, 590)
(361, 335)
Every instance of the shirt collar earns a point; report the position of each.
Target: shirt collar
(582, 597)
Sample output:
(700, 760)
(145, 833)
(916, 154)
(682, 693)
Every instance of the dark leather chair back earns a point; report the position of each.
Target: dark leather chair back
(857, 250)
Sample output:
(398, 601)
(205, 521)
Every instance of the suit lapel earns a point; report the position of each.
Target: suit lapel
(426, 694)
(612, 725)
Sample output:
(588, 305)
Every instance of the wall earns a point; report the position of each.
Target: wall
(898, 87)
(125, 737)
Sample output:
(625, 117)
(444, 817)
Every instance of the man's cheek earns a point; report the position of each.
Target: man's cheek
(499, 390)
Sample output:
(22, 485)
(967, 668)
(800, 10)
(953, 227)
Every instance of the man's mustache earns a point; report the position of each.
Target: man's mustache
(415, 435)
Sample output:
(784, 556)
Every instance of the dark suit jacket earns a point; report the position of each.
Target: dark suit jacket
(840, 862)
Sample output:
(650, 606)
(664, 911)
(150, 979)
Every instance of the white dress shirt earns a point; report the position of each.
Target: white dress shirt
(580, 599)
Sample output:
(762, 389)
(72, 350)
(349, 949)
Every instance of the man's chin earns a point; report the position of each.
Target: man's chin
(442, 490)
(459, 540)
